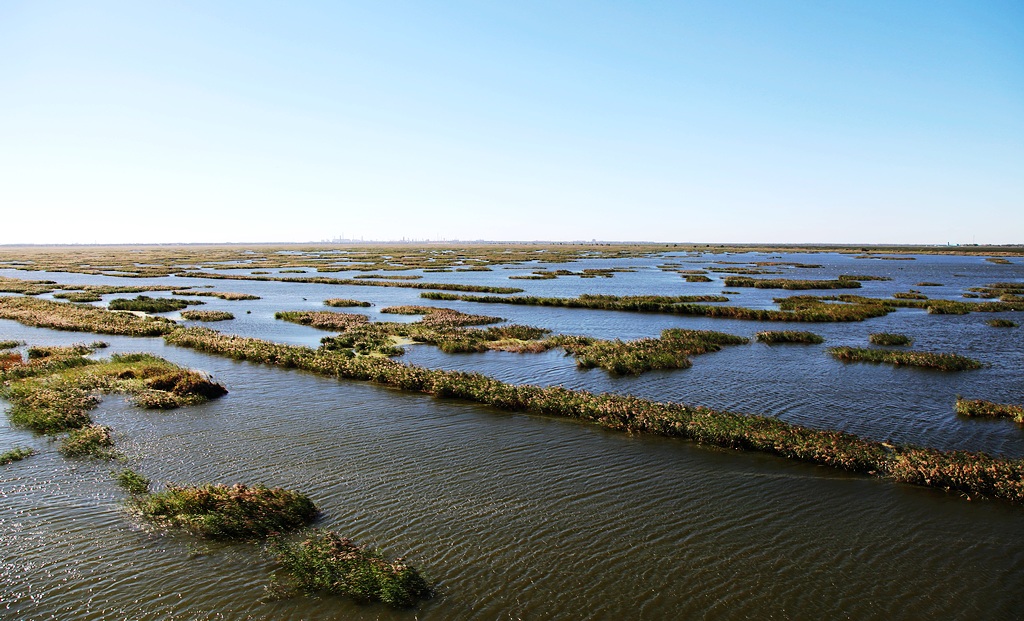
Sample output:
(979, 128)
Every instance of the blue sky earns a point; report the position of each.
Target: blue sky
(784, 122)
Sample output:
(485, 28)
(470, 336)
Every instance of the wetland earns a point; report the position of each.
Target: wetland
(609, 441)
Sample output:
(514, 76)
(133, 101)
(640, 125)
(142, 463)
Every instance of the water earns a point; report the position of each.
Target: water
(516, 516)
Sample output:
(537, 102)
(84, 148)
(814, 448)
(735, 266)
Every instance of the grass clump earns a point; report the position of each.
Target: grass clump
(343, 302)
(980, 408)
(198, 315)
(324, 320)
(671, 351)
(10, 344)
(80, 318)
(15, 454)
(326, 562)
(786, 283)
(941, 362)
(966, 472)
(89, 441)
(224, 295)
(789, 336)
(131, 481)
(909, 295)
(227, 512)
(1002, 323)
(889, 338)
(146, 304)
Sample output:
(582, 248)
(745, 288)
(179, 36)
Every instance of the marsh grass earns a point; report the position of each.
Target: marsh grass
(785, 283)
(889, 338)
(326, 562)
(198, 315)
(224, 295)
(969, 473)
(89, 441)
(987, 409)
(80, 318)
(796, 308)
(147, 304)
(671, 351)
(10, 344)
(789, 336)
(15, 454)
(343, 302)
(236, 512)
(131, 481)
(1002, 323)
(940, 362)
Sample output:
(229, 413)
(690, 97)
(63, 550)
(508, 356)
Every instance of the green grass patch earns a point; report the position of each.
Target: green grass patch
(941, 362)
(965, 472)
(789, 336)
(10, 344)
(15, 454)
(1002, 323)
(146, 304)
(987, 409)
(343, 302)
(671, 351)
(80, 318)
(326, 562)
(89, 441)
(889, 338)
(199, 315)
(131, 481)
(227, 512)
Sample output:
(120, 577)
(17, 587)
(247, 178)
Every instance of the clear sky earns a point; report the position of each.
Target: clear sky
(213, 121)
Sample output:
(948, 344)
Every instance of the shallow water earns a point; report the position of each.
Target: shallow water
(517, 516)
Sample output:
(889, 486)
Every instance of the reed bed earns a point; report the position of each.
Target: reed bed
(789, 336)
(326, 562)
(970, 473)
(807, 310)
(231, 296)
(147, 304)
(131, 481)
(671, 351)
(889, 338)
(235, 512)
(10, 344)
(79, 318)
(89, 441)
(909, 295)
(55, 393)
(439, 317)
(791, 284)
(696, 278)
(322, 280)
(941, 362)
(198, 315)
(345, 302)
(324, 320)
(1002, 323)
(936, 307)
(15, 454)
(987, 409)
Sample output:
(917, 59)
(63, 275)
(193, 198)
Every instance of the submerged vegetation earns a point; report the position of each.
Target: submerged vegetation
(789, 336)
(326, 562)
(941, 362)
(980, 408)
(226, 512)
(889, 338)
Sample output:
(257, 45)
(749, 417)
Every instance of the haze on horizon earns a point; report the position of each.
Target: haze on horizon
(711, 122)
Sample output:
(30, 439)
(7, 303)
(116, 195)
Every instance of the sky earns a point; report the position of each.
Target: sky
(859, 122)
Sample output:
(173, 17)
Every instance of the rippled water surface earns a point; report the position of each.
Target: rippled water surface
(515, 516)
